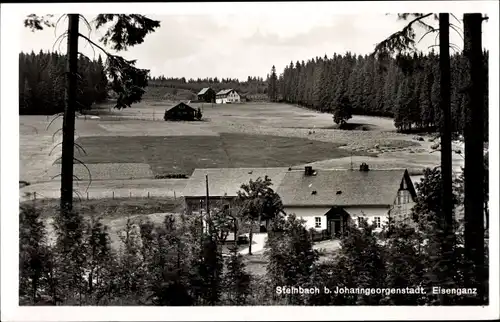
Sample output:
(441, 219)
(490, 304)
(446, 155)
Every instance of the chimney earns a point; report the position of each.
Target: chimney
(364, 167)
(308, 171)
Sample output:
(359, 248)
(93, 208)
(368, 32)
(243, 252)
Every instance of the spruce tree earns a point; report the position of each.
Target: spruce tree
(272, 91)
(342, 111)
(69, 259)
(236, 279)
(291, 256)
(33, 255)
(426, 107)
(100, 259)
(362, 258)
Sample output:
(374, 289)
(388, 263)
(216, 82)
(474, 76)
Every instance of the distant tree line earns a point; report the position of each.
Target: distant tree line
(42, 83)
(253, 85)
(405, 87)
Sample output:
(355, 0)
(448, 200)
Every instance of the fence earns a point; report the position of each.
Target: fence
(150, 115)
(108, 194)
(137, 115)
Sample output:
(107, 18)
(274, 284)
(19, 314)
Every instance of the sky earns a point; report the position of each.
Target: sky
(241, 45)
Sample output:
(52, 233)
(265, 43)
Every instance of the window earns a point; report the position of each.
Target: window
(317, 222)
(376, 220)
(403, 197)
(406, 197)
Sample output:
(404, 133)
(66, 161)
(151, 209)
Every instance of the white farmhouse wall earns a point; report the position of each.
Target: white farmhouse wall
(369, 214)
(232, 97)
(309, 214)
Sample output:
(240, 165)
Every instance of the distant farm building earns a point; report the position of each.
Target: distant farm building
(206, 95)
(326, 199)
(227, 96)
(180, 112)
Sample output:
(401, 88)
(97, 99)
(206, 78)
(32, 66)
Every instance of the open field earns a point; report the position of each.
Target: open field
(182, 154)
(125, 149)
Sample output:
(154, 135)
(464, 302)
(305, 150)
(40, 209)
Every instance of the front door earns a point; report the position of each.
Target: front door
(331, 227)
(334, 228)
(338, 228)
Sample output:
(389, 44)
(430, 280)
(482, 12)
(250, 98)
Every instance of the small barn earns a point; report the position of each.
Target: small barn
(180, 112)
(206, 95)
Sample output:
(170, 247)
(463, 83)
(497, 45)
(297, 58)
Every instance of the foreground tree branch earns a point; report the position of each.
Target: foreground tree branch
(403, 39)
(126, 80)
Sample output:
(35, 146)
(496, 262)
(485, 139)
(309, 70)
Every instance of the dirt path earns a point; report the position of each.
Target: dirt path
(259, 241)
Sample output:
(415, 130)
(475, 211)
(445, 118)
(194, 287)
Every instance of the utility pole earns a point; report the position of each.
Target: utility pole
(474, 151)
(202, 223)
(207, 205)
(68, 128)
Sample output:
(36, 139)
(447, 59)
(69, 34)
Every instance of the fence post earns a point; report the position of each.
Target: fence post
(34, 195)
(175, 198)
(148, 194)
(113, 192)
(130, 194)
(87, 195)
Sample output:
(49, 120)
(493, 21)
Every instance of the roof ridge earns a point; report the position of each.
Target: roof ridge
(292, 169)
(242, 168)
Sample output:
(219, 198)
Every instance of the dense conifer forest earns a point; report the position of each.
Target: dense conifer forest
(42, 83)
(405, 87)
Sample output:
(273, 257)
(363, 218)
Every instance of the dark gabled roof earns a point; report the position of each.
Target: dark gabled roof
(341, 187)
(180, 105)
(203, 91)
(332, 187)
(227, 181)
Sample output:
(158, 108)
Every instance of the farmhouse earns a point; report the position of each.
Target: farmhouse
(227, 96)
(207, 95)
(224, 184)
(326, 199)
(180, 112)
